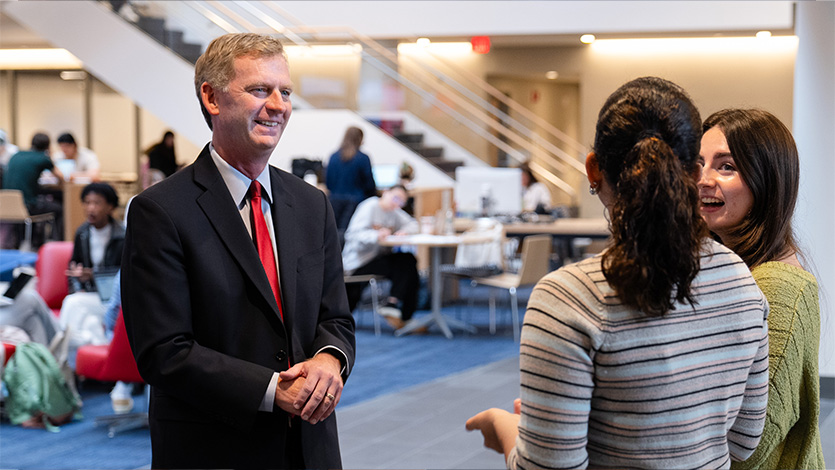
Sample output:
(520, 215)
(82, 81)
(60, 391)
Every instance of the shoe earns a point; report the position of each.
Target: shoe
(122, 405)
(390, 310)
(394, 322)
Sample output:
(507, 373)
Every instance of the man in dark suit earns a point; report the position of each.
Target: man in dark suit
(246, 366)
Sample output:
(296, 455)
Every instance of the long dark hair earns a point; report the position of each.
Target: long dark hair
(766, 155)
(350, 143)
(647, 144)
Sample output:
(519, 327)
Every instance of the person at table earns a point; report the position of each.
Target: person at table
(748, 189)
(7, 149)
(82, 163)
(653, 354)
(375, 219)
(161, 155)
(348, 177)
(535, 195)
(233, 293)
(25, 168)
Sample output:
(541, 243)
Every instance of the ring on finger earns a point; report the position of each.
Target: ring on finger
(330, 395)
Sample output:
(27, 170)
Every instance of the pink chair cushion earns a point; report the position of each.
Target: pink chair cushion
(51, 266)
(109, 363)
(8, 352)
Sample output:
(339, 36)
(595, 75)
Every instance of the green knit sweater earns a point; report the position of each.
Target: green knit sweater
(791, 438)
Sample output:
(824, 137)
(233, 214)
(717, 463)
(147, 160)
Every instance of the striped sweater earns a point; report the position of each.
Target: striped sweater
(603, 385)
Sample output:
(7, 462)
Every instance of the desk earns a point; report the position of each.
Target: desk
(435, 244)
(566, 228)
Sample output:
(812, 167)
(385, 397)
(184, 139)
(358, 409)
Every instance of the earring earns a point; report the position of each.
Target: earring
(593, 189)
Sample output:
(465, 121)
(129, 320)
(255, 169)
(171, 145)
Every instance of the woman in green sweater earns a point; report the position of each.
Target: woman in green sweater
(748, 188)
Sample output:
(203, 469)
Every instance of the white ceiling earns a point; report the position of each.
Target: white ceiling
(515, 22)
(404, 19)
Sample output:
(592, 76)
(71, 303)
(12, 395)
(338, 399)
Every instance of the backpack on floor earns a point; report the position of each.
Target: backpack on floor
(38, 392)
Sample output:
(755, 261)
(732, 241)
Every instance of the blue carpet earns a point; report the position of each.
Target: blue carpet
(383, 365)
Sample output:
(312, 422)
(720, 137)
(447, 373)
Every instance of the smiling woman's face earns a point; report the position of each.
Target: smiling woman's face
(724, 198)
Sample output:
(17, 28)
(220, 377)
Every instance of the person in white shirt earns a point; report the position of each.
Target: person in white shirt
(86, 168)
(7, 149)
(375, 219)
(535, 196)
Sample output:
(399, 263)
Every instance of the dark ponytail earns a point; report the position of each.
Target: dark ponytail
(647, 143)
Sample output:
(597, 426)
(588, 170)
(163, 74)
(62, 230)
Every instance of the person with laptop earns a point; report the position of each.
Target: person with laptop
(81, 163)
(24, 308)
(97, 251)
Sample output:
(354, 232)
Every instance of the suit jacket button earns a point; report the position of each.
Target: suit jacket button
(282, 355)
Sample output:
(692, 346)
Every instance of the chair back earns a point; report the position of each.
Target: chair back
(12, 207)
(50, 268)
(120, 364)
(536, 258)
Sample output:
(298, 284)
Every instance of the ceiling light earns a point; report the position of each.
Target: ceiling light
(587, 38)
(551, 75)
(763, 34)
(704, 46)
(423, 42)
(443, 48)
(29, 59)
(73, 75)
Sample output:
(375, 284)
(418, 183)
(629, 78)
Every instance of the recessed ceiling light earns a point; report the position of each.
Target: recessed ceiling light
(551, 75)
(763, 34)
(423, 42)
(587, 38)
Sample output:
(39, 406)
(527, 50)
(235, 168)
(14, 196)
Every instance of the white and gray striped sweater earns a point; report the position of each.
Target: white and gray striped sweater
(603, 385)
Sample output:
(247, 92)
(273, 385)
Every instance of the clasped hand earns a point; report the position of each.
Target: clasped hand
(310, 389)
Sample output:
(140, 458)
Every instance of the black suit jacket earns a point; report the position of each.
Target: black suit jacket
(204, 324)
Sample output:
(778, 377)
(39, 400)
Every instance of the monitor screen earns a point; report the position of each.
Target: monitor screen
(386, 176)
(501, 186)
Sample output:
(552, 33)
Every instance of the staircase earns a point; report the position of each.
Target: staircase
(415, 142)
(172, 39)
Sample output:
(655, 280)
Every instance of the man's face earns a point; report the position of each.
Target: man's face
(97, 209)
(250, 116)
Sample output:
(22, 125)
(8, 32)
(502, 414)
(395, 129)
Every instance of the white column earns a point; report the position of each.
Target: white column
(814, 131)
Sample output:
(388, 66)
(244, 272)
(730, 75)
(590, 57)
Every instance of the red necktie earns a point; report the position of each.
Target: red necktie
(263, 243)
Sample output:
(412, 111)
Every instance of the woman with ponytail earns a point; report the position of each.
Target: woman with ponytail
(748, 189)
(653, 354)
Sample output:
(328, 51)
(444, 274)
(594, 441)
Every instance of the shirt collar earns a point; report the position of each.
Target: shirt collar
(238, 183)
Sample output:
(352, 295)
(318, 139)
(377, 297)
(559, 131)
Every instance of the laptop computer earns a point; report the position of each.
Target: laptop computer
(17, 285)
(104, 283)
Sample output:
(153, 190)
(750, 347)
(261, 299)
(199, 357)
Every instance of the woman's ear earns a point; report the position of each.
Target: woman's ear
(593, 170)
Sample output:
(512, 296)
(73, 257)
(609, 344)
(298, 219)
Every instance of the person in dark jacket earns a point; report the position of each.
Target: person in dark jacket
(99, 240)
(161, 155)
(349, 178)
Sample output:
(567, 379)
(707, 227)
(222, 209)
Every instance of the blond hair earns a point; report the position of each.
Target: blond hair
(217, 65)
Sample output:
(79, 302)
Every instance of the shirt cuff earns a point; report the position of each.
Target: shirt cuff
(269, 397)
(343, 359)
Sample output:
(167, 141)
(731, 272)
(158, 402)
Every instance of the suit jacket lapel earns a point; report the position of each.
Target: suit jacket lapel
(286, 242)
(223, 214)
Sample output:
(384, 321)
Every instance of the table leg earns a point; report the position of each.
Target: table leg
(435, 316)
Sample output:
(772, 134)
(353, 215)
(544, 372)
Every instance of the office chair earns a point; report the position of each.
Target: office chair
(13, 210)
(536, 251)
